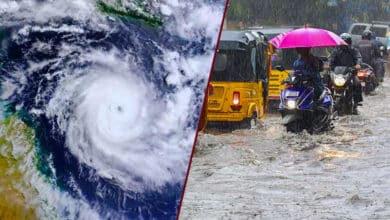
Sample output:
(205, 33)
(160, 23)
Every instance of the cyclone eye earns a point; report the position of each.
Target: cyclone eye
(111, 128)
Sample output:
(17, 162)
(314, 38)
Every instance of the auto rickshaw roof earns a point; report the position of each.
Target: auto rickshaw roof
(274, 30)
(234, 39)
(242, 36)
(270, 32)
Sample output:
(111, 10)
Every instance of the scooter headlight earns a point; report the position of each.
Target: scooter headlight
(291, 104)
(339, 81)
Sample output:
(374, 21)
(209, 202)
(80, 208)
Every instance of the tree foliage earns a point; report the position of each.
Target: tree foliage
(335, 15)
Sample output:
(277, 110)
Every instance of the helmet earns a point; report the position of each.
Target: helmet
(347, 38)
(367, 35)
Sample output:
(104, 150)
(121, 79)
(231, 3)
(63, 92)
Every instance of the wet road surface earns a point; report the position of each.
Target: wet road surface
(267, 173)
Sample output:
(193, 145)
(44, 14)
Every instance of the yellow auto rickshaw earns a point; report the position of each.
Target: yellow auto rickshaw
(203, 115)
(239, 79)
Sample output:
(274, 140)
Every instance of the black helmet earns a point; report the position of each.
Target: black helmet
(367, 35)
(347, 38)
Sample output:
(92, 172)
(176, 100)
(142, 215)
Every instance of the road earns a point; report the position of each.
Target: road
(267, 173)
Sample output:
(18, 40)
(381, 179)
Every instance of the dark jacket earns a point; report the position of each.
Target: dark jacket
(368, 50)
(345, 56)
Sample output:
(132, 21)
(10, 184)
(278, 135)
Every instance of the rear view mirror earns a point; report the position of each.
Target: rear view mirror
(279, 67)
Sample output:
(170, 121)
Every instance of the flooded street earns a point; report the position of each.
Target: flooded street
(267, 173)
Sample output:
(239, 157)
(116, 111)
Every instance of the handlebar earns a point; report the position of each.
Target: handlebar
(295, 77)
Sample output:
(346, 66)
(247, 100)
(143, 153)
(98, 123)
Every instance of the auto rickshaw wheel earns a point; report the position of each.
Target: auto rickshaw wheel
(250, 123)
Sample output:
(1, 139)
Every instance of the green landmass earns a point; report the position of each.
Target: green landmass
(14, 168)
(151, 20)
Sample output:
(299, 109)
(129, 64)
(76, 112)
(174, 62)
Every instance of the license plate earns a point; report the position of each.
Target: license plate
(292, 93)
(213, 103)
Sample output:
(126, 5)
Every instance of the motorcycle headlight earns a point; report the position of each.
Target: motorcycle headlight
(293, 78)
(291, 104)
(339, 81)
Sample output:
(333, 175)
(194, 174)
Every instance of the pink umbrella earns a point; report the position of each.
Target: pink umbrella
(307, 37)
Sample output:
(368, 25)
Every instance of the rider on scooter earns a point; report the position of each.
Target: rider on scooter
(311, 67)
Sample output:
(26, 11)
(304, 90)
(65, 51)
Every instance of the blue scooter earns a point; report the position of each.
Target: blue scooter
(298, 109)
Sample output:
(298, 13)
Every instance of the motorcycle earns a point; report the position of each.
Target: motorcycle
(341, 89)
(379, 68)
(367, 78)
(298, 109)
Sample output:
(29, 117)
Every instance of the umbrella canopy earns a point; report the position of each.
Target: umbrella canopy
(307, 37)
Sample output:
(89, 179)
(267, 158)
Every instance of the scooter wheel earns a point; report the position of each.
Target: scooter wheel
(320, 123)
(294, 127)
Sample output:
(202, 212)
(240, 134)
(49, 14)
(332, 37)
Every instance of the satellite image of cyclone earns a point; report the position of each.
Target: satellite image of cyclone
(99, 104)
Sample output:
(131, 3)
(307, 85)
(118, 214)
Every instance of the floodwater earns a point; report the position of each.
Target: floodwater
(267, 173)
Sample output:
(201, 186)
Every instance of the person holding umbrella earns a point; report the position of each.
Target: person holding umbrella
(311, 67)
(303, 40)
(303, 105)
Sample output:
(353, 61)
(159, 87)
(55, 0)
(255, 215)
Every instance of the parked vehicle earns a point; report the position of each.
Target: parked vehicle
(239, 79)
(388, 51)
(380, 28)
(297, 106)
(388, 41)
